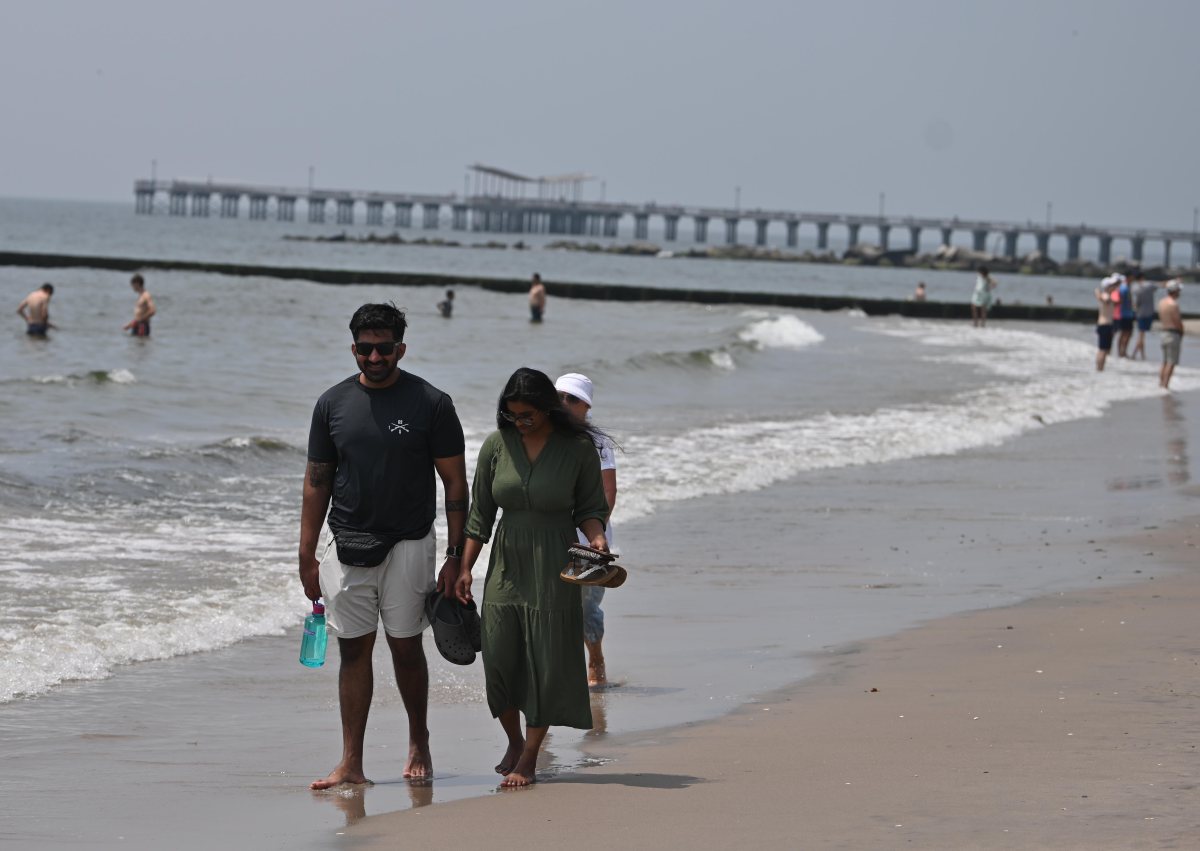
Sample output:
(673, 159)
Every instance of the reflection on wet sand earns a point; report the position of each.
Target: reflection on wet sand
(1176, 426)
(1175, 470)
(352, 799)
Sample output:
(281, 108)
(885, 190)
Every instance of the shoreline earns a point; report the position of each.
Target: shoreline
(1066, 721)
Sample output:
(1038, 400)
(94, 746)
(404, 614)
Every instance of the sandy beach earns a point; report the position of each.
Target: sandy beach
(1069, 721)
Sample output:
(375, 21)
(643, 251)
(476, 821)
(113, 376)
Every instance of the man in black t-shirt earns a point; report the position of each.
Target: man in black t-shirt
(376, 440)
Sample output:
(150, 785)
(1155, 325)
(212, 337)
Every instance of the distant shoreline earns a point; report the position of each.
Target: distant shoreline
(559, 289)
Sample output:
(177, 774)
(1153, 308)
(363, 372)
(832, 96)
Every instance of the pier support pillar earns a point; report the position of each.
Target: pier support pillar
(793, 234)
(429, 214)
(1043, 242)
(258, 207)
(459, 217)
(285, 209)
(701, 228)
(229, 206)
(670, 228)
(374, 212)
(1166, 254)
(852, 240)
(731, 231)
(641, 226)
(1195, 253)
(760, 231)
(1137, 244)
(885, 232)
(979, 240)
(1105, 250)
(145, 203)
(947, 235)
(177, 205)
(1073, 246)
(316, 211)
(345, 211)
(914, 240)
(404, 215)
(1010, 244)
(612, 224)
(822, 236)
(200, 205)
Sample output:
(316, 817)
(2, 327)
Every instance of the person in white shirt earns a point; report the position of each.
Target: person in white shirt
(575, 391)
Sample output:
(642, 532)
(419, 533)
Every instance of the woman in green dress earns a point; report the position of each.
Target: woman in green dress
(541, 469)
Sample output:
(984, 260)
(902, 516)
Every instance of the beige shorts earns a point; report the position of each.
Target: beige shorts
(356, 598)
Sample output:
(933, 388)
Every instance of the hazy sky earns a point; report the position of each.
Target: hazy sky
(976, 109)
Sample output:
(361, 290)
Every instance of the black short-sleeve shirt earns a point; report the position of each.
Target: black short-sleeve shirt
(384, 442)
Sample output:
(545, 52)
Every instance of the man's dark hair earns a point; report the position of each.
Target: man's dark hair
(379, 317)
(138, 280)
(48, 288)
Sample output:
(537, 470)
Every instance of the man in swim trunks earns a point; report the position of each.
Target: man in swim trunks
(1104, 321)
(537, 299)
(1172, 331)
(376, 441)
(35, 310)
(1143, 309)
(143, 309)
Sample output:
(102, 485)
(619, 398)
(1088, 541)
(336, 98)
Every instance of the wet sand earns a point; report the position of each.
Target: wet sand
(1069, 721)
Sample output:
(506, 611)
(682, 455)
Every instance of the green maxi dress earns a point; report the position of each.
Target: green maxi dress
(533, 621)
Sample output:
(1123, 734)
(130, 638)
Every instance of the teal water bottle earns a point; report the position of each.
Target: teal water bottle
(312, 646)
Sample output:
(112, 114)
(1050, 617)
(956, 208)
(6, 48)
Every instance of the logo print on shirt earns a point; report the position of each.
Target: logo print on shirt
(398, 425)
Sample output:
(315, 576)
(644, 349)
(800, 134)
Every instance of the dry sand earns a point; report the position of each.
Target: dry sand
(1071, 721)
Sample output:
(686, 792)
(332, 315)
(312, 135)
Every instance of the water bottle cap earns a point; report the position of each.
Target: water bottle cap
(318, 607)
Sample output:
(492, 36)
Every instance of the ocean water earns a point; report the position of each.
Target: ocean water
(113, 229)
(150, 488)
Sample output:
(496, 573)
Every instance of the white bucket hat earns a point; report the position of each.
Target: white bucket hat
(577, 384)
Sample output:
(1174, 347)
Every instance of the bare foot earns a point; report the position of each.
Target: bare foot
(420, 763)
(524, 773)
(596, 674)
(510, 758)
(339, 776)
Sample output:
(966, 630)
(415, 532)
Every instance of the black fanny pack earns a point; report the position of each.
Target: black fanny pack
(362, 549)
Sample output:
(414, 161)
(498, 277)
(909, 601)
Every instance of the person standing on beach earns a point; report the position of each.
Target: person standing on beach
(1104, 320)
(1123, 316)
(35, 310)
(1172, 331)
(143, 309)
(919, 292)
(541, 469)
(575, 391)
(375, 442)
(1143, 308)
(981, 297)
(537, 299)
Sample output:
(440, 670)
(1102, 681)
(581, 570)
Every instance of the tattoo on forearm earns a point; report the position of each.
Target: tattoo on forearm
(456, 505)
(320, 475)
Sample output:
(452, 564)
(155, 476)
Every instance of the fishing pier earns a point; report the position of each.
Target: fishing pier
(499, 201)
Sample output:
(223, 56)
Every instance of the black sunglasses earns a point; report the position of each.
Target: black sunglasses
(569, 398)
(364, 349)
(524, 419)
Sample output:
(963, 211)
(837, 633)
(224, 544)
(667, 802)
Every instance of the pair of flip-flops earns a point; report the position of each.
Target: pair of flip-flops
(590, 566)
(456, 628)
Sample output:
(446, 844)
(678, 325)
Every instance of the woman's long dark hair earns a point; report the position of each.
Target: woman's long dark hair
(535, 389)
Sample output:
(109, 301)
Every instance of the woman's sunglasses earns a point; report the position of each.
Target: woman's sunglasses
(569, 399)
(385, 349)
(523, 419)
